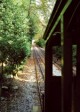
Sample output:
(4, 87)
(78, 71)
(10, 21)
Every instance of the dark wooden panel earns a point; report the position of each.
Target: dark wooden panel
(53, 95)
(67, 75)
(52, 83)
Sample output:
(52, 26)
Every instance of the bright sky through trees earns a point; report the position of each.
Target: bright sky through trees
(43, 11)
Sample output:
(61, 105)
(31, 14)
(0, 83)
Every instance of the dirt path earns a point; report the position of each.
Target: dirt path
(26, 97)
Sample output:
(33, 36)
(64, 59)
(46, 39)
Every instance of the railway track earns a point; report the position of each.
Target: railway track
(42, 53)
(39, 71)
(39, 61)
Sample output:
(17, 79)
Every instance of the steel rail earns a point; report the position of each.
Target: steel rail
(38, 63)
(38, 88)
(40, 54)
(38, 85)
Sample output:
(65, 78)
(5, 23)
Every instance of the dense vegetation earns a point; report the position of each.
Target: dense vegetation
(20, 22)
(40, 42)
(15, 40)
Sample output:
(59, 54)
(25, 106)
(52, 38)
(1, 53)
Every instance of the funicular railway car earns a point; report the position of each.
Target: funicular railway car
(62, 93)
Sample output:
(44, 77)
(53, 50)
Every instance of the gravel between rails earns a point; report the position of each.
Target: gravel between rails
(26, 96)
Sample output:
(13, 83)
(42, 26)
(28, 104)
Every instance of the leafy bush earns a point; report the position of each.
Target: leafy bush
(16, 34)
(41, 42)
(58, 51)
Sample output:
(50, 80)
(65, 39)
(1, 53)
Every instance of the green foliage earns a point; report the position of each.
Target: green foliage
(15, 32)
(40, 42)
(20, 21)
(58, 51)
(9, 69)
(39, 11)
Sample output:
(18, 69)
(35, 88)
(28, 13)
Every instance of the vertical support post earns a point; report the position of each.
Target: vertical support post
(77, 80)
(78, 58)
(66, 70)
(48, 77)
(62, 38)
(67, 75)
(52, 83)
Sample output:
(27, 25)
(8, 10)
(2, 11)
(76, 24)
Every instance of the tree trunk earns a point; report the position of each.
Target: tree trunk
(1, 78)
(2, 69)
